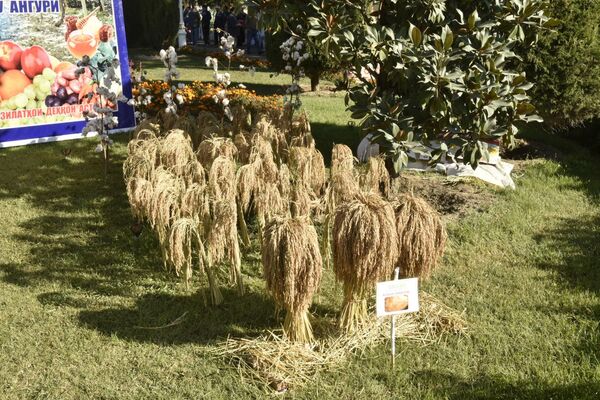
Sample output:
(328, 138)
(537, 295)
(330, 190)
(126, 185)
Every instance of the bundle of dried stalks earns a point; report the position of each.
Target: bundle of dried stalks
(187, 123)
(301, 133)
(342, 159)
(364, 252)
(285, 181)
(263, 151)
(301, 203)
(308, 167)
(243, 147)
(223, 240)
(221, 179)
(139, 192)
(422, 235)
(241, 119)
(176, 151)
(208, 125)
(377, 178)
(138, 166)
(193, 173)
(210, 149)
(183, 239)
(248, 184)
(195, 203)
(147, 129)
(292, 267)
(167, 120)
(265, 129)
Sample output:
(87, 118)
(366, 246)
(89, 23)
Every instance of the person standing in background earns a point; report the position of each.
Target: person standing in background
(232, 23)
(195, 24)
(241, 18)
(251, 31)
(188, 22)
(220, 19)
(206, 17)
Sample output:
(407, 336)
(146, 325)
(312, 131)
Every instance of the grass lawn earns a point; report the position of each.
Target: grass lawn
(77, 292)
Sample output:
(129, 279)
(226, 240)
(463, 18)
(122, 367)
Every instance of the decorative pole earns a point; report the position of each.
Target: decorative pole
(181, 35)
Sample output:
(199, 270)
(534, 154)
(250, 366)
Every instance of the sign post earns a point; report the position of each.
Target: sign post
(400, 296)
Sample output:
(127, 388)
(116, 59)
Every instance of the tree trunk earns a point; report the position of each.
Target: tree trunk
(84, 6)
(62, 6)
(315, 79)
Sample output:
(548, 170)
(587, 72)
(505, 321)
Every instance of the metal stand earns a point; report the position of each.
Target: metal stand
(393, 333)
(181, 35)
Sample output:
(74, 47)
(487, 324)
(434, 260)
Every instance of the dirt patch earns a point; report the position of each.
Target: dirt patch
(452, 197)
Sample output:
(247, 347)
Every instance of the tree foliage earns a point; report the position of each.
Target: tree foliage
(566, 65)
(429, 72)
(151, 23)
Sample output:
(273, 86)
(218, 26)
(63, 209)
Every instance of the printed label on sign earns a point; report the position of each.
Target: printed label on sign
(397, 297)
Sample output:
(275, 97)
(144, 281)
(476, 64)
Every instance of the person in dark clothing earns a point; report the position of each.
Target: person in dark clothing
(232, 23)
(195, 25)
(252, 31)
(206, 17)
(241, 25)
(188, 22)
(220, 20)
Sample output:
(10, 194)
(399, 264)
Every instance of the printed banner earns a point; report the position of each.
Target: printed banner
(53, 56)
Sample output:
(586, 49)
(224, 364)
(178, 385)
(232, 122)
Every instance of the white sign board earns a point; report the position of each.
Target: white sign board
(397, 297)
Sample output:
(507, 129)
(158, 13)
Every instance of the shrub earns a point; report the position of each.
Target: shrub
(151, 23)
(566, 65)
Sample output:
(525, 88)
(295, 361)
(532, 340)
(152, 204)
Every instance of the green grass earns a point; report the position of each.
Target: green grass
(75, 288)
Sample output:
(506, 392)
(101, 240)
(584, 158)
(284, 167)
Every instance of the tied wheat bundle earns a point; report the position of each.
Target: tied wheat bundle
(193, 173)
(292, 268)
(301, 133)
(342, 159)
(138, 166)
(364, 252)
(241, 119)
(266, 130)
(223, 240)
(285, 181)
(308, 167)
(377, 178)
(183, 239)
(146, 130)
(166, 119)
(210, 149)
(248, 184)
(195, 203)
(243, 147)
(208, 126)
(421, 233)
(176, 151)
(188, 124)
(139, 192)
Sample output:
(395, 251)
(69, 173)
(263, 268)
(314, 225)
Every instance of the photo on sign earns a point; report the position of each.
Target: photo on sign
(42, 47)
(397, 302)
(400, 296)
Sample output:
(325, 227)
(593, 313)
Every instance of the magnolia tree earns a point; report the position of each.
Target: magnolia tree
(427, 72)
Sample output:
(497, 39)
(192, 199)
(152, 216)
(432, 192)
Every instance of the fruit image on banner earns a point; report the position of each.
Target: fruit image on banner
(52, 62)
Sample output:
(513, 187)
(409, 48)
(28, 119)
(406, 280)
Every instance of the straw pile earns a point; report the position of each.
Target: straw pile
(292, 268)
(364, 252)
(421, 235)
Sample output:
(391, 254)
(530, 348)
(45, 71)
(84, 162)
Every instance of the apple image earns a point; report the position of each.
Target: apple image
(10, 55)
(13, 82)
(34, 60)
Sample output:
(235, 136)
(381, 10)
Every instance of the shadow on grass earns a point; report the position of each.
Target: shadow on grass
(163, 318)
(327, 135)
(449, 386)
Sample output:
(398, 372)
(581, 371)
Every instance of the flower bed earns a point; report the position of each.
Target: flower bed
(198, 96)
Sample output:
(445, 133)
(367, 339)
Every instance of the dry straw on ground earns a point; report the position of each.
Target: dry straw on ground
(421, 234)
(365, 251)
(279, 364)
(292, 267)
